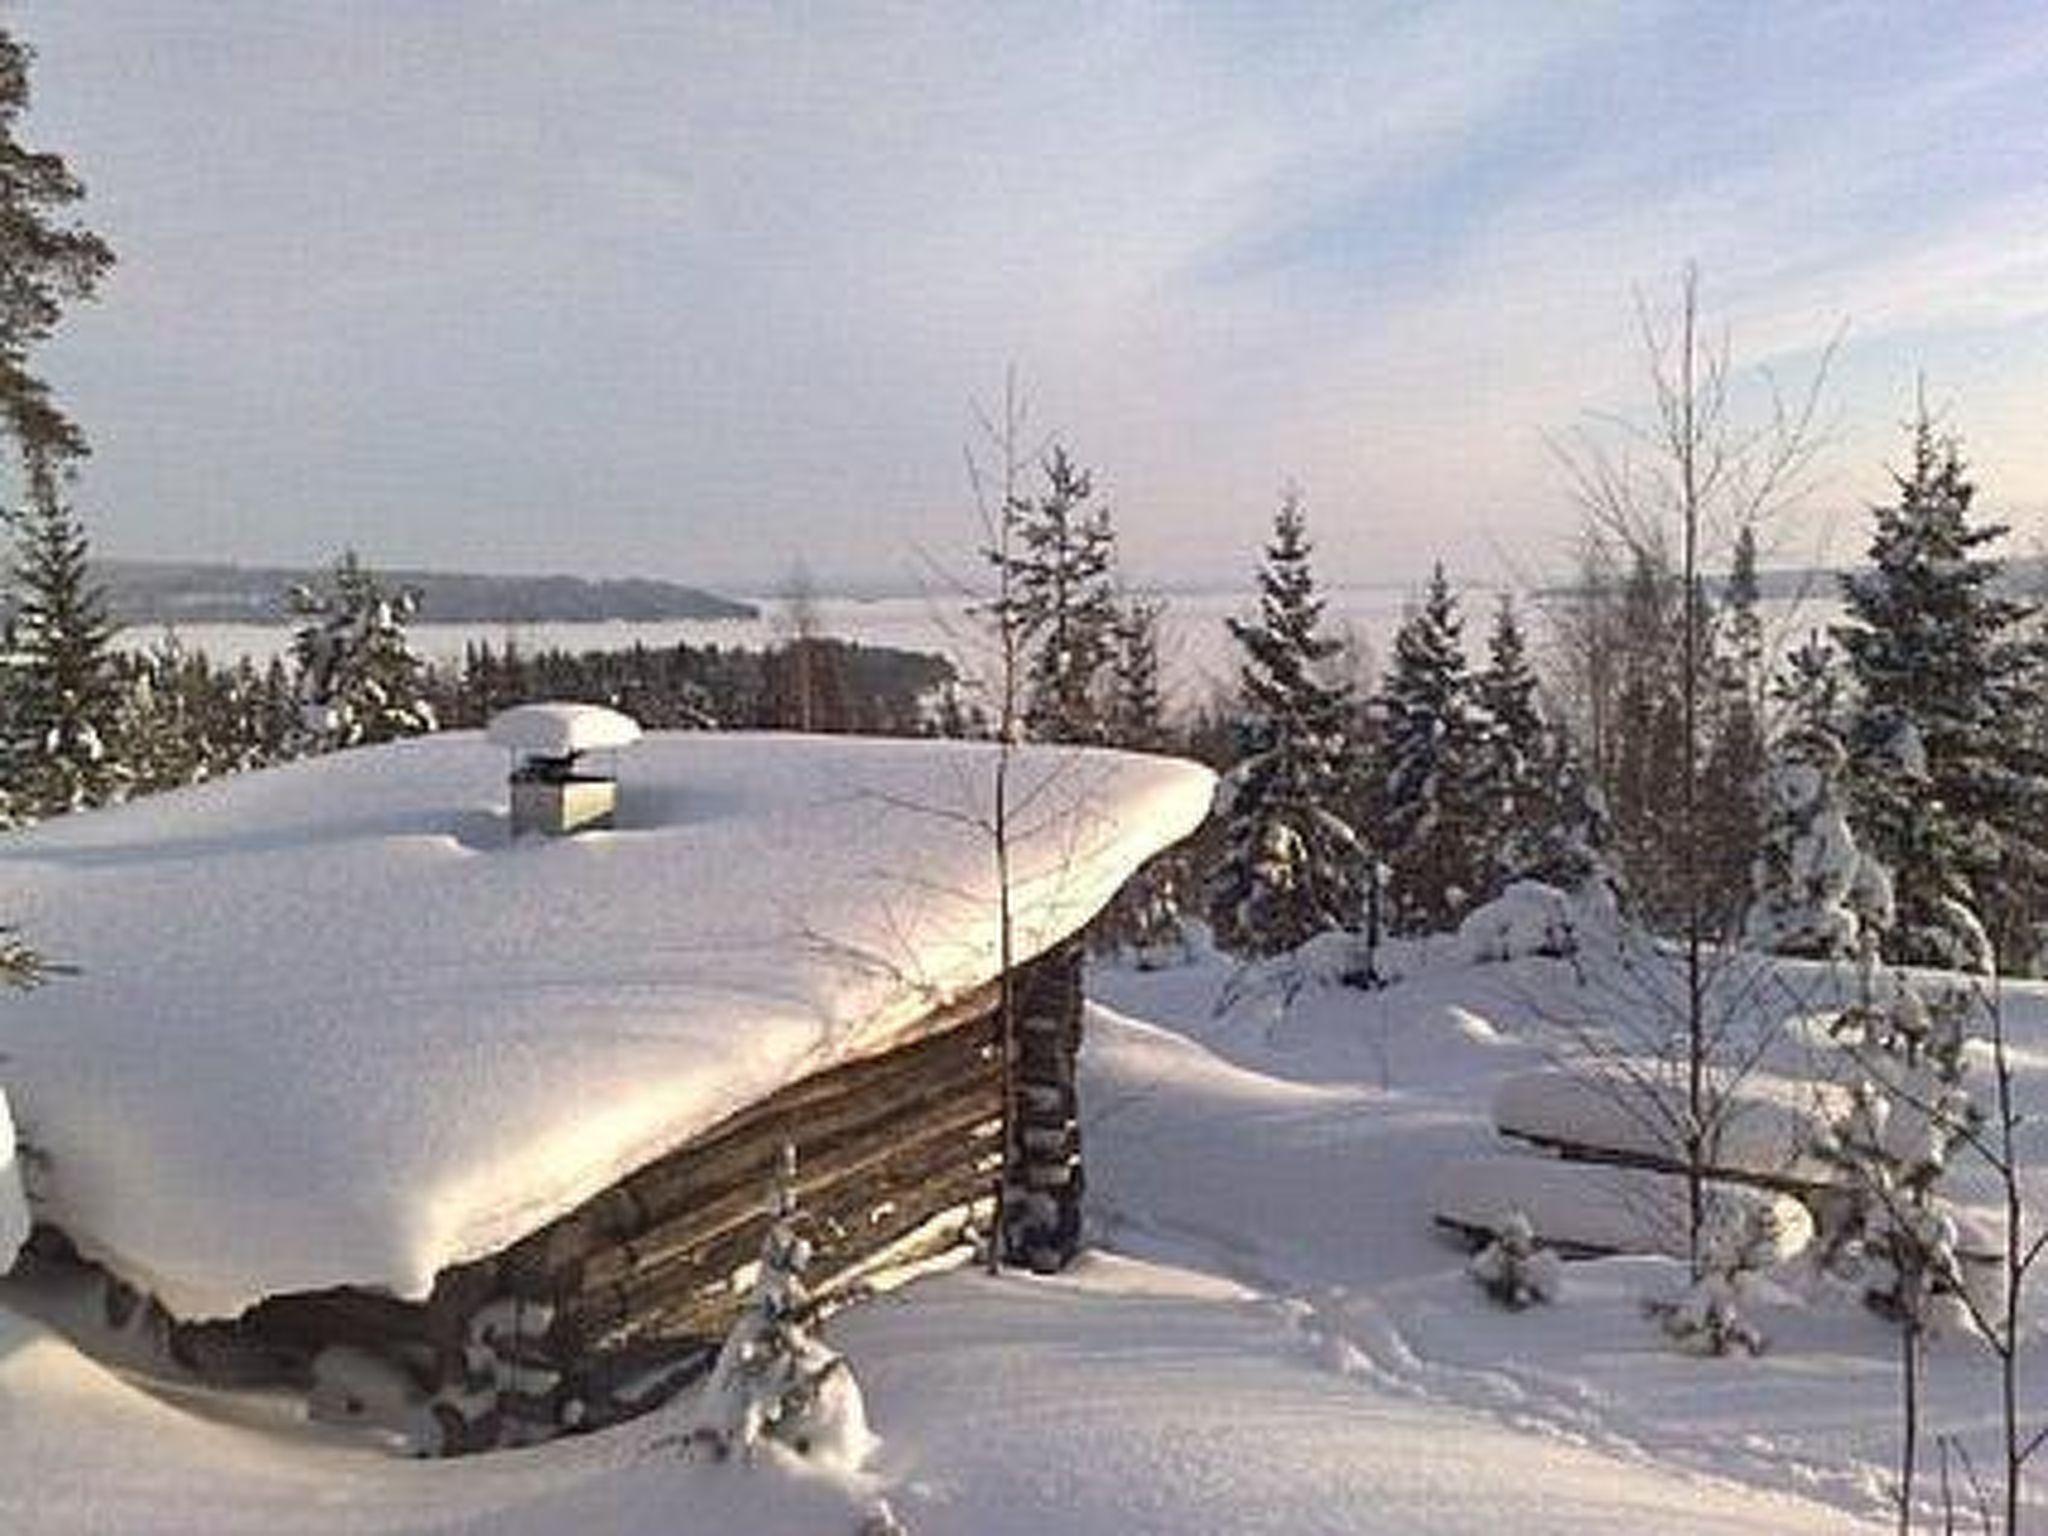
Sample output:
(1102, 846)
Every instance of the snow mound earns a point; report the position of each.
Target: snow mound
(1594, 1207)
(332, 1025)
(561, 730)
(1528, 918)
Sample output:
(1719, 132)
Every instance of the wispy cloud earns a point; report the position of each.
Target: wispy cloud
(699, 289)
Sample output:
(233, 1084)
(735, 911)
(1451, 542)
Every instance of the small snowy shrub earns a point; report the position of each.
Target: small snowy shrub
(1740, 1238)
(773, 1379)
(1514, 1270)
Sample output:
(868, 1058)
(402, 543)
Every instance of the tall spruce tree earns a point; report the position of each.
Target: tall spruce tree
(1062, 556)
(1432, 802)
(1944, 791)
(1733, 792)
(1650, 753)
(64, 701)
(1292, 866)
(1136, 713)
(45, 264)
(1515, 783)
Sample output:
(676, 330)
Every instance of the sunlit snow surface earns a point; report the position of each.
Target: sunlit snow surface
(1267, 1337)
(330, 1025)
(1125, 1400)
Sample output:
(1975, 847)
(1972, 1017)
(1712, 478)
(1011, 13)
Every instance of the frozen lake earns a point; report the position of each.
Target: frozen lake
(1197, 651)
(1196, 646)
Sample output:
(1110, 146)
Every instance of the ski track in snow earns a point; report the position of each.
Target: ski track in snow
(1353, 1335)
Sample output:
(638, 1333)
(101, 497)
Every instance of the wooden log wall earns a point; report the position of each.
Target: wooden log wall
(601, 1312)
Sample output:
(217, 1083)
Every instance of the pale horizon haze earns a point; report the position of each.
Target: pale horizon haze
(700, 292)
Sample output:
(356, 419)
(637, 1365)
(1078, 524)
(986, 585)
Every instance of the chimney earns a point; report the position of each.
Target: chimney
(555, 790)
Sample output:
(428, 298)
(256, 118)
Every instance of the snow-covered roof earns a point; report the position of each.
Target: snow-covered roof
(332, 1025)
(560, 730)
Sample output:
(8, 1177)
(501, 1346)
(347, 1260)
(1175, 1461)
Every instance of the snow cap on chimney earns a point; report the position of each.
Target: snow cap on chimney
(553, 791)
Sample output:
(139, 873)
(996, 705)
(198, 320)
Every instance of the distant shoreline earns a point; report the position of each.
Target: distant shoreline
(160, 593)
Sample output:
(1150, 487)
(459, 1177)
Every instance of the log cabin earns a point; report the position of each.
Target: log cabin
(454, 1070)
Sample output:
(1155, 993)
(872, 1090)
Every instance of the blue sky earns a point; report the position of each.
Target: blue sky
(701, 290)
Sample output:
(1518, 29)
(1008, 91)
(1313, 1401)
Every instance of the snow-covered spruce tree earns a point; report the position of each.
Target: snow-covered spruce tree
(1891, 1142)
(1907, 1110)
(45, 264)
(262, 717)
(1808, 688)
(1291, 866)
(1431, 806)
(1944, 790)
(1515, 784)
(171, 707)
(1062, 558)
(774, 1380)
(1570, 847)
(63, 696)
(1815, 892)
(1514, 1269)
(356, 676)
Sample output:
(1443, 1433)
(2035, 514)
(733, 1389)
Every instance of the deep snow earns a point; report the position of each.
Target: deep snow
(1269, 1336)
(1123, 1400)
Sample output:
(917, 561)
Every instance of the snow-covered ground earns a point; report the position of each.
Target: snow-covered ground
(1125, 1398)
(1268, 1336)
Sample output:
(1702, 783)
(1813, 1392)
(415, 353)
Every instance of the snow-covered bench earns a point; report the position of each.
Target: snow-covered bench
(1630, 1111)
(1611, 1129)
(1589, 1211)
